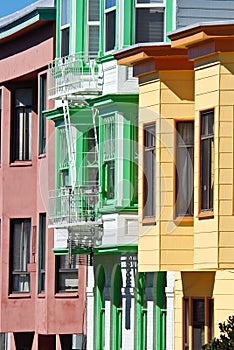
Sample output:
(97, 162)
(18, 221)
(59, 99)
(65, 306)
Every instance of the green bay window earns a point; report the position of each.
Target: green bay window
(109, 157)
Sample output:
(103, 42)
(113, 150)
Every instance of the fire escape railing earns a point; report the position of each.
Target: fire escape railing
(75, 74)
(71, 208)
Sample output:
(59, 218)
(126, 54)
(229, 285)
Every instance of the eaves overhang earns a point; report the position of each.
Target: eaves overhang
(149, 58)
(26, 22)
(195, 34)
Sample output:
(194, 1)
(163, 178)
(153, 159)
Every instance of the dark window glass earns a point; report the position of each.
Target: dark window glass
(186, 324)
(198, 323)
(109, 179)
(110, 30)
(207, 160)
(149, 170)
(21, 125)
(66, 273)
(149, 25)
(20, 235)
(42, 252)
(65, 42)
(150, 1)
(184, 167)
(42, 118)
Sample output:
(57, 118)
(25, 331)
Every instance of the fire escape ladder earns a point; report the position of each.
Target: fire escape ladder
(71, 142)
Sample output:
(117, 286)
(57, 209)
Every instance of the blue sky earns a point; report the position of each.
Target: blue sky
(10, 6)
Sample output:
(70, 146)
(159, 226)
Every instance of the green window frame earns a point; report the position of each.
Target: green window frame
(42, 253)
(109, 157)
(42, 118)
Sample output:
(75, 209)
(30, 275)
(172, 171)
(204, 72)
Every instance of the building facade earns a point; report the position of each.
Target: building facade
(34, 314)
(186, 134)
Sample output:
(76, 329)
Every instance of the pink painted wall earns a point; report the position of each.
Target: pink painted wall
(24, 193)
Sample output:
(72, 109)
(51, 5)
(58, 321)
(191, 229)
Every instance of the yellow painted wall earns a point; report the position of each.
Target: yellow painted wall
(164, 99)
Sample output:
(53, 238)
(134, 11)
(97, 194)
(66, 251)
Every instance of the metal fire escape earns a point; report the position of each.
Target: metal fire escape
(74, 209)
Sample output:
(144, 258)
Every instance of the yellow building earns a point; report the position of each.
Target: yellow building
(186, 193)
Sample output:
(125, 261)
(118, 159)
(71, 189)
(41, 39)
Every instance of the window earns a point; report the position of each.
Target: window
(207, 161)
(149, 167)
(93, 26)
(92, 157)
(63, 159)
(184, 167)
(42, 118)
(149, 21)
(20, 235)
(66, 273)
(109, 157)
(200, 312)
(65, 24)
(41, 252)
(21, 125)
(110, 24)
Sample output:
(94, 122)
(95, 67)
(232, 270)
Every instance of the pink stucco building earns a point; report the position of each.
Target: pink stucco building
(41, 306)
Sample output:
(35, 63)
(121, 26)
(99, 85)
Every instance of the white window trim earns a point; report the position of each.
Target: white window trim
(89, 24)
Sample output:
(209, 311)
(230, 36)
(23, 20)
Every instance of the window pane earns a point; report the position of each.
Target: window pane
(110, 179)
(93, 39)
(93, 10)
(65, 42)
(184, 166)
(110, 30)
(207, 160)
(42, 120)
(149, 171)
(42, 251)
(149, 25)
(110, 3)
(67, 273)
(186, 324)
(198, 323)
(65, 12)
(20, 254)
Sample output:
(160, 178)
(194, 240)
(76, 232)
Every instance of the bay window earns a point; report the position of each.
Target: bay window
(184, 167)
(206, 160)
(109, 157)
(149, 167)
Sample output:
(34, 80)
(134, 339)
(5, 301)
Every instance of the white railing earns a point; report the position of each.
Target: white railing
(76, 74)
(71, 208)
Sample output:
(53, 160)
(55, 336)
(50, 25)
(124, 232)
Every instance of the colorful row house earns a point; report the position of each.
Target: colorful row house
(186, 93)
(93, 208)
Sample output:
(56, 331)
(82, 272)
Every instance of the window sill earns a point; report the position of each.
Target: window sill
(149, 221)
(184, 221)
(42, 155)
(67, 295)
(21, 163)
(41, 295)
(19, 295)
(205, 215)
